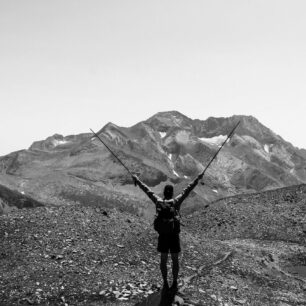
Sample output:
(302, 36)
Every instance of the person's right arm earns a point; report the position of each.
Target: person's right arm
(146, 189)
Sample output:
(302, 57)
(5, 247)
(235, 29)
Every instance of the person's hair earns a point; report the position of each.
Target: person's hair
(168, 192)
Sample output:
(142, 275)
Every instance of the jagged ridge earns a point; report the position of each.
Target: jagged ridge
(166, 148)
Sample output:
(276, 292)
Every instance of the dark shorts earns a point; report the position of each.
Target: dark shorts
(169, 243)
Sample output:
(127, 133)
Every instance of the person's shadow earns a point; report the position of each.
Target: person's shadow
(160, 298)
(167, 297)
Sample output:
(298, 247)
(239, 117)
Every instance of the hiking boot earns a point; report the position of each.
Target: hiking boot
(174, 286)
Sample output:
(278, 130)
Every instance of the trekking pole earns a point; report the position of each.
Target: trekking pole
(228, 137)
(112, 153)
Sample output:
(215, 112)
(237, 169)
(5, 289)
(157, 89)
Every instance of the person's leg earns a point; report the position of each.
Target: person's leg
(175, 268)
(163, 268)
(175, 249)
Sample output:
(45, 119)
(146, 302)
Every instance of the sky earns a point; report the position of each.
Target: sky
(68, 66)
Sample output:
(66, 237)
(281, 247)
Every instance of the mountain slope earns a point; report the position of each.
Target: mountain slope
(166, 148)
(11, 200)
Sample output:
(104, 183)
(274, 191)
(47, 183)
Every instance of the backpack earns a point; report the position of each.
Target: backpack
(167, 220)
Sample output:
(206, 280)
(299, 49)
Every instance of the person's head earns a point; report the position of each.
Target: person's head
(168, 192)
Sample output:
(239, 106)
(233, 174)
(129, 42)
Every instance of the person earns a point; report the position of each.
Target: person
(168, 242)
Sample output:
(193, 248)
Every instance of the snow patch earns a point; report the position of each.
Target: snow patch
(22, 192)
(162, 134)
(170, 156)
(185, 176)
(215, 190)
(262, 154)
(216, 140)
(175, 173)
(59, 142)
(267, 148)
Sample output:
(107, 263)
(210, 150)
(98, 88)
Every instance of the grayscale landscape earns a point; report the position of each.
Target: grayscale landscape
(74, 230)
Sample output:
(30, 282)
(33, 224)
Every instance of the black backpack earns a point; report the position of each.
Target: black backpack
(167, 219)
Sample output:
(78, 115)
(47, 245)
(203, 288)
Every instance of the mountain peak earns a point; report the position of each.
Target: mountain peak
(170, 113)
(163, 121)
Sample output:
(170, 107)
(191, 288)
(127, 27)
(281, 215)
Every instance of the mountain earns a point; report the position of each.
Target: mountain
(86, 241)
(168, 147)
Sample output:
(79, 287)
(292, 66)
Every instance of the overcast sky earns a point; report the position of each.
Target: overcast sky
(70, 65)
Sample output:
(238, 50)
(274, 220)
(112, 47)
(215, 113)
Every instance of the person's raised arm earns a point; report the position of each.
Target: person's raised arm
(146, 189)
(182, 196)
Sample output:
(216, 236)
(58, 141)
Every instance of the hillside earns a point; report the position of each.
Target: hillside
(12, 200)
(84, 255)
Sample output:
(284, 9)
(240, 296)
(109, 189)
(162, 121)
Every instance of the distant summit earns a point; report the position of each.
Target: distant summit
(164, 120)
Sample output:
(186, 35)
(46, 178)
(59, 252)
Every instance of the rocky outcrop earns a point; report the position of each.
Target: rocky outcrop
(11, 200)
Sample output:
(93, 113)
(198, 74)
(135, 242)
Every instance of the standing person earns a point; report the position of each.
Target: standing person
(167, 225)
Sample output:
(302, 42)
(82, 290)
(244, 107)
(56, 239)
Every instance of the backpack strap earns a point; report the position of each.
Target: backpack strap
(156, 207)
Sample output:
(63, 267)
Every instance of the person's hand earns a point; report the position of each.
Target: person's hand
(201, 176)
(135, 179)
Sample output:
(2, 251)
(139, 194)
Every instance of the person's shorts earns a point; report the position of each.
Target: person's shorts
(169, 243)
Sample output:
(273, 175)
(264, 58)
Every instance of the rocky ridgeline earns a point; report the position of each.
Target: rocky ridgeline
(272, 215)
(292, 194)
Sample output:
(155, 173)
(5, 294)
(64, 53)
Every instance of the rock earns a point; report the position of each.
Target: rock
(240, 301)
(178, 300)
(214, 297)
(57, 257)
(193, 302)
(117, 294)
(29, 301)
(123, 299)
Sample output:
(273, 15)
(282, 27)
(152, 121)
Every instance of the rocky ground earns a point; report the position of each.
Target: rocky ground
(237, 251)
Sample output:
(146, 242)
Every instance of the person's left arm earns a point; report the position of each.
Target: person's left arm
(182, 196)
